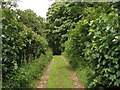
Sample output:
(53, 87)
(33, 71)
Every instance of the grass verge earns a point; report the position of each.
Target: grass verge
(84, 75)
(83, 71)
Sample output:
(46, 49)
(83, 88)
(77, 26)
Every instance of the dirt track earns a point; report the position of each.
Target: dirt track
(45, 76)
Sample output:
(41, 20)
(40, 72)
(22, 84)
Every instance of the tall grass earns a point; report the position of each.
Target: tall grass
(28, 75)
(83, 71)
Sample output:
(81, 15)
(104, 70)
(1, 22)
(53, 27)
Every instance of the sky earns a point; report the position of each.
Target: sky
(40, 7)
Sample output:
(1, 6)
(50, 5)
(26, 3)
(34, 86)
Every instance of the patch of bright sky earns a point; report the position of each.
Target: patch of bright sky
(40, 7)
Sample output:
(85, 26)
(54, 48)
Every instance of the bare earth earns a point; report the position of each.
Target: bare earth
(76, 83)
(45, 76)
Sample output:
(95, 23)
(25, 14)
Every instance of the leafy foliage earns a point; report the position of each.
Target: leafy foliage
(22, 41)
(90, 32)
(95, 42)
(31, 20)
(28, 75)
(87, 32)
(62, 17)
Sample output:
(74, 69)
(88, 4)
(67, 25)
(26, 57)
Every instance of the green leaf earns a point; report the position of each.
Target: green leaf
(106, 56)
(116, 66)
(112, 77)
(104, 62)
(118, 73)
(117, 82)
(106, 75)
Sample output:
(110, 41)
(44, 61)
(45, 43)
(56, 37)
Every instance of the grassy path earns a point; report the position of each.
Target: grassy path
(59, 74)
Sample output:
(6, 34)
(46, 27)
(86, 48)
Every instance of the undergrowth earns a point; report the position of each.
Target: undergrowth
(28, 75)
(83, 72)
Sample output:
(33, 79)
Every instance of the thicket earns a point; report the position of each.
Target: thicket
(25, 51)
(92, 38)
(62, 17)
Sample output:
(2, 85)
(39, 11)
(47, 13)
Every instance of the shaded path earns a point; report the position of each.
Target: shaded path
(71, 74)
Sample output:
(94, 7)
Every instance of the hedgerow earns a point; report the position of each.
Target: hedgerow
(95, 42)
(23, 44)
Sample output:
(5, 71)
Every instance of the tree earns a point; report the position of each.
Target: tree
(31, 20)
(62, 17)
(22, 41)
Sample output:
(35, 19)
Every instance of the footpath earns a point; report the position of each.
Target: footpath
(59, 74)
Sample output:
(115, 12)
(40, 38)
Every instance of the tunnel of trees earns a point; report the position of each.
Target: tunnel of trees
(87, 33)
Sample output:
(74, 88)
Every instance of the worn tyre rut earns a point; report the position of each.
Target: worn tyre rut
(45, 76)
(73, 75)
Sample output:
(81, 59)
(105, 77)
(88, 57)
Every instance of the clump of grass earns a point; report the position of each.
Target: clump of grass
(84, 75)
(83, 70)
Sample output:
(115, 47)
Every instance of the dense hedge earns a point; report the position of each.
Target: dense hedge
(62, 17)
(95, 42)
(27, 76)
(23, 42)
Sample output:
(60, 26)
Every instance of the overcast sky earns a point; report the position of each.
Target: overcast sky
(40, 7)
